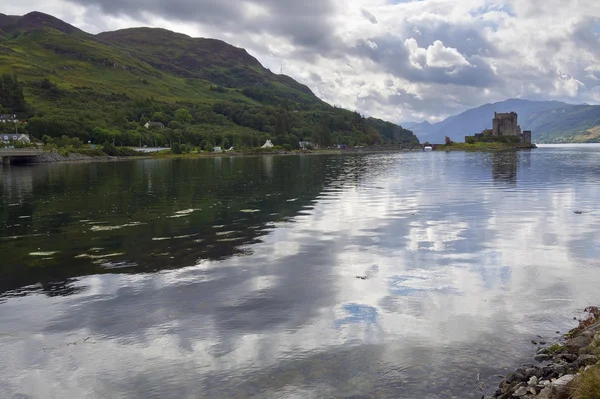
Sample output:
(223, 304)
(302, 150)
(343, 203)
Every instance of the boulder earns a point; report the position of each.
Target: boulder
(542, 357)
(532, 372)
(515, 377)
(580, 341)
(544, 393)
(566, 357)
(560, 387)
(586, 360)
(522, 391)
(532, 381)
(559, 369)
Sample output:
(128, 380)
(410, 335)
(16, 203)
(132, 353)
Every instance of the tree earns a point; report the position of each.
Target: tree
(183, 115)
(11, 94)
(225, 143)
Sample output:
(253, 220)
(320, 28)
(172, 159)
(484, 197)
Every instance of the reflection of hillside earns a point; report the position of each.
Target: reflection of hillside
(131, 217)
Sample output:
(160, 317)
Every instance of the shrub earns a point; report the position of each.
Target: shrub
(470, 140)
(110, 149)
(127, 152)
(91, 152)
(287, 147)
(176, 148)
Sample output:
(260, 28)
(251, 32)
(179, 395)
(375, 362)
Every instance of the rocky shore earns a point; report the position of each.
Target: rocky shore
(562, 369)
(53, 157)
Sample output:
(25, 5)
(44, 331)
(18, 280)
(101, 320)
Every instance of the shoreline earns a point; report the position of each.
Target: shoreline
(560, 370)
(50, 157)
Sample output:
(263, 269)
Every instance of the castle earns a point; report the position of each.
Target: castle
(505, 124)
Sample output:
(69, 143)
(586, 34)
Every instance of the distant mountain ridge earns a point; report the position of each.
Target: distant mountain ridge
(549, 121)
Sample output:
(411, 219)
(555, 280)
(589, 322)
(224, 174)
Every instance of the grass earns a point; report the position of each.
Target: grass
(587, 386)
(478, 146)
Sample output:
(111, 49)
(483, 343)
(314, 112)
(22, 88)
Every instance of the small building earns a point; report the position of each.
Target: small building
(7, 138)
(159, 125)
(8, 118)
(268, 144)
(217, 149)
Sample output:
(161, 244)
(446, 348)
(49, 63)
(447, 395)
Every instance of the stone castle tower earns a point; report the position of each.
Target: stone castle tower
(506, 124)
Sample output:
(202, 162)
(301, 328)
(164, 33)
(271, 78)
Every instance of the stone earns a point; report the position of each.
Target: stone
(548, 373)
(566, 357)
(532, 381)
(522, 391)
(580, 341)
(586, 360)
(515, 377)
(559, 369)
(559, 388)
(532, 371)
(542, 357)
(544, 394)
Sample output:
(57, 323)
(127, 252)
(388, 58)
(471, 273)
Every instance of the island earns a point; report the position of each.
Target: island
(505, 133)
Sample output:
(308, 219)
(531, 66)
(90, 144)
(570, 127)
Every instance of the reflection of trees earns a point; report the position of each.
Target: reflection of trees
(151, 192)
(16, 182)
(505, 166)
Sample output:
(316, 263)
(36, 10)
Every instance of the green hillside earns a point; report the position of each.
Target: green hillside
(569, 124)
(206, 92)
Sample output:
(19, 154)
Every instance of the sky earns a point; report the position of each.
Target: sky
(400, 60)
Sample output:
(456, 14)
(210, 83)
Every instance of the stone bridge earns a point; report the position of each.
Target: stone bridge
(7, 154)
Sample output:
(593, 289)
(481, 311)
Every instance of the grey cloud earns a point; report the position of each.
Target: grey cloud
(368, 16)
(305, 23)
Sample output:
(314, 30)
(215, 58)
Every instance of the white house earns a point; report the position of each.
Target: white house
(217, 149)
(8, 118)
(268, 144)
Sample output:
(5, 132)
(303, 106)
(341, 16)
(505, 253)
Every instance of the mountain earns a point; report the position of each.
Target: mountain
(549, 121)
(105, 87)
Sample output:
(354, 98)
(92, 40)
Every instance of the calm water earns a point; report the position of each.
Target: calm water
(236, 278)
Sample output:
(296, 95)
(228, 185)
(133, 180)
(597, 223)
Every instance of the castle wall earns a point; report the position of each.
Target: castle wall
(526, 138)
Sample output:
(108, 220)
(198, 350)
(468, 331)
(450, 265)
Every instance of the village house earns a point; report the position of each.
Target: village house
(268, 144)
(159, 125)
